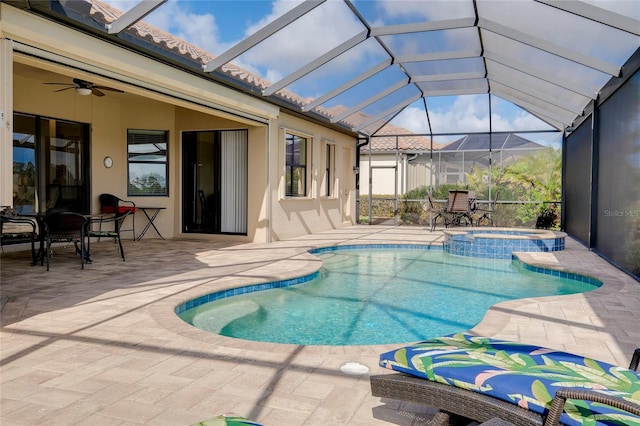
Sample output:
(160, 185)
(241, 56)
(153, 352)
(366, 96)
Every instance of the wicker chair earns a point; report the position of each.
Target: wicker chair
(459, 406)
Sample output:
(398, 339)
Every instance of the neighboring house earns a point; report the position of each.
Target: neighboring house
(452, 161)
(390, 162)
(407, 161)
(219, 160)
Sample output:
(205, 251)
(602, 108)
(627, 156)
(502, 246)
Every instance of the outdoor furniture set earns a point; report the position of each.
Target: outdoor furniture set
(462, 210)
(56, 226)
(471, 378)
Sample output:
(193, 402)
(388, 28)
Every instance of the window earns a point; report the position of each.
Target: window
(329, 169)
(296, 166)
(148, 165)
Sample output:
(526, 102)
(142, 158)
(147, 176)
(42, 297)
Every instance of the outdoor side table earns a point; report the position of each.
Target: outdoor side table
(151, 213)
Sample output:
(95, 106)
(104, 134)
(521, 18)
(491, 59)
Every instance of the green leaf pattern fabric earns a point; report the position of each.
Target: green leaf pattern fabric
(522, 374)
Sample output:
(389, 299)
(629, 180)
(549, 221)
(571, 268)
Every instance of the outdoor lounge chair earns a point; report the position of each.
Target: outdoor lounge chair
(437, 213)
(470, 378)
(459, 207)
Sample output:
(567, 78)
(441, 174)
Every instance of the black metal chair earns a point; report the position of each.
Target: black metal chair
(111, 204)
(64, 227)
(18, 230)
(89, 231)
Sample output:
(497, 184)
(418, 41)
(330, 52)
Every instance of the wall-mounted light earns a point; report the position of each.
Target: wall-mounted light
(84, 91)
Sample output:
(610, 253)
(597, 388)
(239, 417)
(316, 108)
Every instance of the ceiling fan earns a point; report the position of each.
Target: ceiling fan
(85, 88)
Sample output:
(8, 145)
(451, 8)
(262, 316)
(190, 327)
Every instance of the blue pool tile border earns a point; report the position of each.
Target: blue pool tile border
(193, 303)
(561, 274)
(222, 294)
(376, 246)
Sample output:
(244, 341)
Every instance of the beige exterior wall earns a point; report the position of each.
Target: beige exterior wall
(316, 212)
(411, 174)
(151, 103)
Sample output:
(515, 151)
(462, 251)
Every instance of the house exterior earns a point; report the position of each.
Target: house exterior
(220, 162)
(387, 163)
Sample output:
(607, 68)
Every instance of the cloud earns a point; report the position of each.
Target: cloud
(304, 40)
(467, 114)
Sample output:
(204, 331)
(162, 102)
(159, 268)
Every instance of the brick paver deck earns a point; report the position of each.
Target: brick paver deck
(103, 346)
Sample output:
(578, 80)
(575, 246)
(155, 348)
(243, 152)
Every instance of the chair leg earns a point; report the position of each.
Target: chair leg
(121, 249)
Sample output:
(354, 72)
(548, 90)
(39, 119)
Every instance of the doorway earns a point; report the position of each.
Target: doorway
(214, 182)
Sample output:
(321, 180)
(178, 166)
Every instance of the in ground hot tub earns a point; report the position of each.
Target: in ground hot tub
(500, 243)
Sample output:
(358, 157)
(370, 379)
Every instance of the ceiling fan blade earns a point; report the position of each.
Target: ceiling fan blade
(111, 89)
(96, 92)
(61, 84)
(61, 90)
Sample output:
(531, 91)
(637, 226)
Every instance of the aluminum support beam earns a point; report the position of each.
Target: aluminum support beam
(389, 111)
(597, 14)
(133, 15)
(313, 65)
(262, 34)
(370, 100)
(552, 48)
(348, 85)
(419, 27)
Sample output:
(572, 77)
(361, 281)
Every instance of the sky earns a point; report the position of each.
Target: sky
(216, 25)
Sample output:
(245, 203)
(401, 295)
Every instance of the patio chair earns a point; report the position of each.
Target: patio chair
(485, 215)
(15, 229)
(64, 227)
(438, 213)
(459, 207)
(112, 204)
(89, 231)
(471, 378)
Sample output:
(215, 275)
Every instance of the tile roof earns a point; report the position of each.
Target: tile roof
(105, 13)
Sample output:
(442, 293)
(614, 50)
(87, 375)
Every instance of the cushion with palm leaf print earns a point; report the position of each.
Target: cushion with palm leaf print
(522, 374)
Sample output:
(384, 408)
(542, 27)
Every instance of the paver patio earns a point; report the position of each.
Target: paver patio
(103, 346)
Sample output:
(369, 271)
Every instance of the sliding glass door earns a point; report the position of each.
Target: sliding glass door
(215, 182)
(50, 159)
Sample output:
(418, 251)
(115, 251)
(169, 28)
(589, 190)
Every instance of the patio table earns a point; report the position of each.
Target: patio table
(151, 213)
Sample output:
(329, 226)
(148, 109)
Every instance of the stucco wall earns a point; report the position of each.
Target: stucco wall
(292, 216)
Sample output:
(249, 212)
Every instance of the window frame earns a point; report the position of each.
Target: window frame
(289, 167)
(131, 161)
(330, 169)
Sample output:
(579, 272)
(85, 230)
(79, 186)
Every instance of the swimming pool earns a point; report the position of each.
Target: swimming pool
(375, 295)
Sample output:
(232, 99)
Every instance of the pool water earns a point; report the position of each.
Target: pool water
(379, 296)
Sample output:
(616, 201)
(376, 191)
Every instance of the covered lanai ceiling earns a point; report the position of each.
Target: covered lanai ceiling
(550, 58)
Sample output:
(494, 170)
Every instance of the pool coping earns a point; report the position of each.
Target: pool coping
(491, 323)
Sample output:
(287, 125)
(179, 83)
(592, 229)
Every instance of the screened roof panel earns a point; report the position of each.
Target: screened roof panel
(538, 61)
(430, 42)
(460, 87)
(436, 70)
(468, 113)
(563, 29)
(354, 63)
(377, 83)
(524, 120)
(537, 87)
(385, 13)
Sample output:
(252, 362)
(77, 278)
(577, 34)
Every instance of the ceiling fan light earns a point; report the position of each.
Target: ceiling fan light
(84, 91)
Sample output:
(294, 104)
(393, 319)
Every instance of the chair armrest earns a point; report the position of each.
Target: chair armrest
(107, 219)
(635, 360)
(559, 400)
(17, 224)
